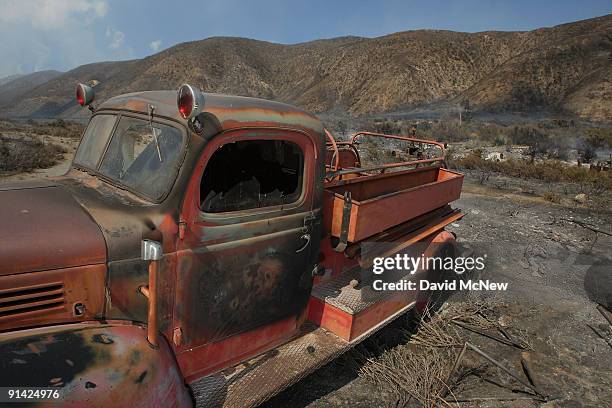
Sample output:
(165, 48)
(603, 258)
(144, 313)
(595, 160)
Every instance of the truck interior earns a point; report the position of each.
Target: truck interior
(262, 173)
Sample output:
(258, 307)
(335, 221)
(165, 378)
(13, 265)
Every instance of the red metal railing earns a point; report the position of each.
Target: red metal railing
(334, 171)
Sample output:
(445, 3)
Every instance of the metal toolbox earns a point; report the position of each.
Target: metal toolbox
(362, 207)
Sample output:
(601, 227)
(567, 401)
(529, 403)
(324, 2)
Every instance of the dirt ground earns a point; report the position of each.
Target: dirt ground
(554, 268)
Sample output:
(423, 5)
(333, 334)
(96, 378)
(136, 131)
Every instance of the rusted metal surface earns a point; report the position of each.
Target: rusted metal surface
(342, 174)
(33, 298)
(124, 219)
(243, 270)
(384, 201)
(94, 365)
(372, 186)
(251, 383)
(212, 357)
(225, 112)
(334, 161)
(248, 384)
(43, 227)
(348, 157)
(420, 234)
(350, 312)
(150, 292)
(353, 311)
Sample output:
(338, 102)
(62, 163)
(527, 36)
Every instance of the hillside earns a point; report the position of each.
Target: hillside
(9, 78)
(20, 85)
(566, 68)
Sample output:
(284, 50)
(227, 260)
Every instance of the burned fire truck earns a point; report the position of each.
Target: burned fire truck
(205, 250)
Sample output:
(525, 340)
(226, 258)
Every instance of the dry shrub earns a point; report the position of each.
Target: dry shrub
(26, 154)
(407, 373)
(61, 128)
(423, 369)
(389, 127)
(435, 330)
(447, 130)
(58, 128)
(549, 170)
(376, 151)
(476, 310)
(551, 197)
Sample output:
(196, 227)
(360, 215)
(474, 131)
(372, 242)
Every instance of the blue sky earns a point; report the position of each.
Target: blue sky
(62, 34)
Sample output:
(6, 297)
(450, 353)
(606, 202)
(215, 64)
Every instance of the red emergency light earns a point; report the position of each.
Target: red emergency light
(190, 101)
(84, 94)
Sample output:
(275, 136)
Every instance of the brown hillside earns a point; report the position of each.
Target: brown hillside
(16, 85)
(564, 68)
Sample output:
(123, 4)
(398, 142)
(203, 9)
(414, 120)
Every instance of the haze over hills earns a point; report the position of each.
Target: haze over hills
(8, 79)
(567, 68)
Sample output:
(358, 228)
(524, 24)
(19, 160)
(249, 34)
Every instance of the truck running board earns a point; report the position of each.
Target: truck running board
(251, 383)
(256, 380)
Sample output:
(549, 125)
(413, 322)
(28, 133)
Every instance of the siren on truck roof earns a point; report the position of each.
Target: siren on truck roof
(85, 95)
(190, 101)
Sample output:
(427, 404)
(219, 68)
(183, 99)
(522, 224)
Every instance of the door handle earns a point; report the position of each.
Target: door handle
(307, 238)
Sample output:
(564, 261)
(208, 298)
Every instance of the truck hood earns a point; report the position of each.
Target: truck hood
(43, 227)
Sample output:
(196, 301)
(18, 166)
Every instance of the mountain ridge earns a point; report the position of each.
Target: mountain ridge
(565, 68)
(19, 85)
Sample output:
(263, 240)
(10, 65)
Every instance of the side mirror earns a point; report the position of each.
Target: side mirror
(84, 94)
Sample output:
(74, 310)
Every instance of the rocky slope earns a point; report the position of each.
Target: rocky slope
(566, 68)
(17, 86)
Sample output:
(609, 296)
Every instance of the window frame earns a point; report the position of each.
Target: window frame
(112, 132)
(297, 137)
(137, 115)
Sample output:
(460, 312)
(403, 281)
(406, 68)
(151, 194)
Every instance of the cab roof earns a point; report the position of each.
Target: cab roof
(230, 112)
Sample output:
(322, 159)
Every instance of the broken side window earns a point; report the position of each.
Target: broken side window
(252, 174)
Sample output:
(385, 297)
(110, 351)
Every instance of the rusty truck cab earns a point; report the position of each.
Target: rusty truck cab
(239, 227)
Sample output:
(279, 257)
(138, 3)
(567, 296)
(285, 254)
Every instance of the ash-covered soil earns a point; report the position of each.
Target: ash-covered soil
(556, 270)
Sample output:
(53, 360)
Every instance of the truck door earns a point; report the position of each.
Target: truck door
(247, 248)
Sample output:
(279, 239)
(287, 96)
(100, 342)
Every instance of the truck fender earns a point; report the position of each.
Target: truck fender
(94, 365)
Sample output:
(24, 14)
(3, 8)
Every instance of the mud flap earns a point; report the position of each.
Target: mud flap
(346, 222)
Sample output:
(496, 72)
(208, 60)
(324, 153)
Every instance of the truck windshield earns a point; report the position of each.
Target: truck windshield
(139, 155)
